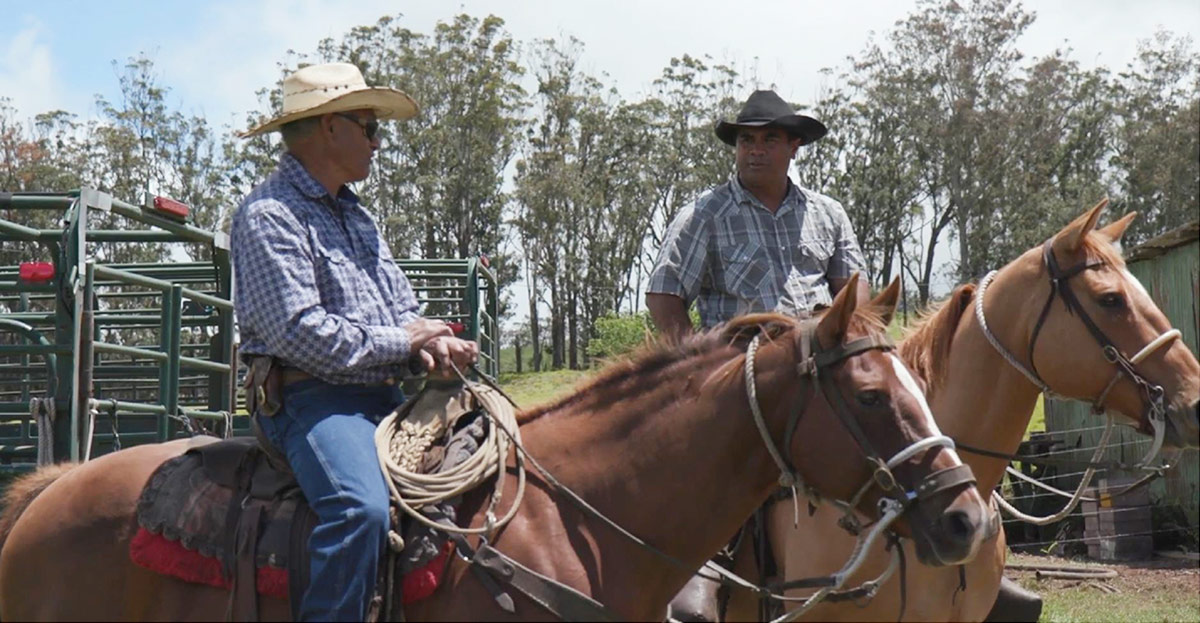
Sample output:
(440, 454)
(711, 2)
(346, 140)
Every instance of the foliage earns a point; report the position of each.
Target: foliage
(617, 334)
(941, 131)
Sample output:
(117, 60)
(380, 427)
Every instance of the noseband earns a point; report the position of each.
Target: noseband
(812, 361)
(1126, 366)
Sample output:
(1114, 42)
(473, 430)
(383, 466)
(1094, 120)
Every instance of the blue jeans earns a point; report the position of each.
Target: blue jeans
(327, 433)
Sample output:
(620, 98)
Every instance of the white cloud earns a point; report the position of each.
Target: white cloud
(27, 72)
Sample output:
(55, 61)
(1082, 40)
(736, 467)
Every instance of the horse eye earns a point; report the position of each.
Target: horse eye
(869, 398)
(1112, 300)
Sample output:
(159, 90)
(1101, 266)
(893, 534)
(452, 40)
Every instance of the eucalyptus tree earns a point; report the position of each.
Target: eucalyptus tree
(1157, 144)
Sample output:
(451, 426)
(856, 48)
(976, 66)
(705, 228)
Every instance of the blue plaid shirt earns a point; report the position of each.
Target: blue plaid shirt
(315, 284)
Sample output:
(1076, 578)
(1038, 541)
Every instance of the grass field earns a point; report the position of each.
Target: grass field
(1149, 591)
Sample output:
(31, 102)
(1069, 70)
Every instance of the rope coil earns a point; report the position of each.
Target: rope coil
(401, 442)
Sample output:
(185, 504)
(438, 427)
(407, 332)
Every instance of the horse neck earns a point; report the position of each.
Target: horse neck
(984, 401)
(682, 443)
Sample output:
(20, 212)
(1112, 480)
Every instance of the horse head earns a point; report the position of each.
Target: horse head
(1099, 337)
(864, 410)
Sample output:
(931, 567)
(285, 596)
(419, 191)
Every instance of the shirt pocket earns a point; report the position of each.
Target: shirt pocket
(811, 256)
(337, 281)
(747, 271)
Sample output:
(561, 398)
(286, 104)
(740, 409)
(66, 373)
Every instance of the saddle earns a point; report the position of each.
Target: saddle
(229, 514)
(221, 514)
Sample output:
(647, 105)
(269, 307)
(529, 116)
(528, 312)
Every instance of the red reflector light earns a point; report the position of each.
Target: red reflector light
(456, 327)
(483, 259)
(170, 206)
(37, 272)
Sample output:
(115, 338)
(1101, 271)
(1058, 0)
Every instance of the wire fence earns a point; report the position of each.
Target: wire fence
(1108, 524)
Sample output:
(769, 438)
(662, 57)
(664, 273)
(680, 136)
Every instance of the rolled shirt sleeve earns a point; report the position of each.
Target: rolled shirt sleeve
(847, 256)
(683, 258)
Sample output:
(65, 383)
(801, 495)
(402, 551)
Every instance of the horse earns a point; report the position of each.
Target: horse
(981, 400)
(663, 444)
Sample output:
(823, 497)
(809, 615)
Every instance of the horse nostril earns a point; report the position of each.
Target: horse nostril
(957, 525)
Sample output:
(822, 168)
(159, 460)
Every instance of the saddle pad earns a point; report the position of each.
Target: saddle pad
(160, 555)
(182, 532)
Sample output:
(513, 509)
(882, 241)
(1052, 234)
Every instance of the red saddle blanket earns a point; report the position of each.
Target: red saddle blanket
(184, 514)
(162, 555)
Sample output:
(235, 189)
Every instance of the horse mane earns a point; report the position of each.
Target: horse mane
(926, 346)
(639, 366)
(21, 493)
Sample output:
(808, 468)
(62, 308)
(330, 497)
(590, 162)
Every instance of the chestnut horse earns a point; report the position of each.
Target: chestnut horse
(663, 444)
(980, 400)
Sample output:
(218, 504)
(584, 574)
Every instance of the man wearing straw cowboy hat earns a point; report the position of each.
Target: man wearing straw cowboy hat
(328, 322)
(757, 242)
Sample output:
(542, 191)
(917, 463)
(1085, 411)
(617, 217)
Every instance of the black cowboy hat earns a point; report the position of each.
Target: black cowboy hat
(766, 108)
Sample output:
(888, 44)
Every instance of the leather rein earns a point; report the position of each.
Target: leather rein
(496, 570)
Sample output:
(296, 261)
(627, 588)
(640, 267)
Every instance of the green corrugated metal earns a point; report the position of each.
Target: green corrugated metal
(1173, 280)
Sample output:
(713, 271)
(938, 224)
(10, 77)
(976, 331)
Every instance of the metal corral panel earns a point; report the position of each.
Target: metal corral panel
(1169, 267)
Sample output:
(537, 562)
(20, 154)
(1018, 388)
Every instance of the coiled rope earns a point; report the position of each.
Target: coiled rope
(403, 437)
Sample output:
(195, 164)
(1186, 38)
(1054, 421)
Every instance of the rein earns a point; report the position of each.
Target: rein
(493, 567)
(1126, 366)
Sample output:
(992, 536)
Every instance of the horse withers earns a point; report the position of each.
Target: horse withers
(663, 444)
(983, 401)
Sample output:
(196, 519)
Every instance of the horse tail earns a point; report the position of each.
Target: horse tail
(22, 491)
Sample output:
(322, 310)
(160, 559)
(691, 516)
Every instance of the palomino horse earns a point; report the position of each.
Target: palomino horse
(982, 401)
(663, 444)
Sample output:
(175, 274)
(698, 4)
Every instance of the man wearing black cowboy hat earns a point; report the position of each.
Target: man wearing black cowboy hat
(757, 242)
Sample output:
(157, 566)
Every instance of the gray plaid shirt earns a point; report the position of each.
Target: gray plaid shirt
(733, 256)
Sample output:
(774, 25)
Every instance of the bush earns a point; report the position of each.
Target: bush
(618, 334)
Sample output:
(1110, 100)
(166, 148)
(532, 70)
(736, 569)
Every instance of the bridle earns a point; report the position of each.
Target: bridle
(816, 362)
(813, 361)
(1125, 367)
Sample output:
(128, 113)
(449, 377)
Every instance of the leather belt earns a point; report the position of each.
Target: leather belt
(293, 375)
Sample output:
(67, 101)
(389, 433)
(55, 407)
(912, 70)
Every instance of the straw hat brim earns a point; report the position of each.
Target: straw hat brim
(388, 104)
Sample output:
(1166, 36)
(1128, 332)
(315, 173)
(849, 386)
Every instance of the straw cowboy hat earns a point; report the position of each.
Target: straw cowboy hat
(335, 87)
(765, 108)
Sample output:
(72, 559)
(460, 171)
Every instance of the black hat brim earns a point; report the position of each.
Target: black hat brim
(806, 128)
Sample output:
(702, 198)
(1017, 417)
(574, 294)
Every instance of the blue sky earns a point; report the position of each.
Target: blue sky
(214, 55)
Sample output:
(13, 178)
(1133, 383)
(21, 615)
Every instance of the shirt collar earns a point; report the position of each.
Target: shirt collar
(295, 173)
(792, 200)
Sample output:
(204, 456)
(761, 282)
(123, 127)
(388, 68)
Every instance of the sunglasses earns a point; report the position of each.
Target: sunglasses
(370, 128)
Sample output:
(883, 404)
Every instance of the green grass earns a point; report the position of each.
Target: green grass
(1082, 603)
(529, 389)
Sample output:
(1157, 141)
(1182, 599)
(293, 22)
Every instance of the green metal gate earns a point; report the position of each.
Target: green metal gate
(130, 353)
(111, 355)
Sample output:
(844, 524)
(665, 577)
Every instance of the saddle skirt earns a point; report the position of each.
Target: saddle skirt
(220, 509)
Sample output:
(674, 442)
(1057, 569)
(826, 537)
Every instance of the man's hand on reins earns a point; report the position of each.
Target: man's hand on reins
(439, 352)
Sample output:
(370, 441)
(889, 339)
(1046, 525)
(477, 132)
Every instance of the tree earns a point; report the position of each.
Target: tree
(1157, 144)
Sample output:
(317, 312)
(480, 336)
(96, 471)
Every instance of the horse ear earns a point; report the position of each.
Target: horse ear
(885, 302)
(1070, 239)
(831, 330)
(1114, 230)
